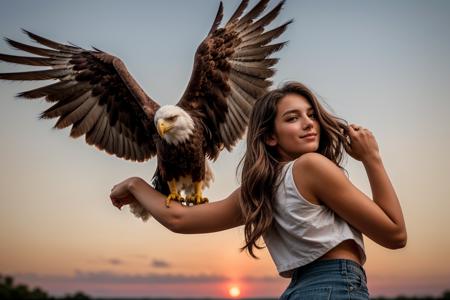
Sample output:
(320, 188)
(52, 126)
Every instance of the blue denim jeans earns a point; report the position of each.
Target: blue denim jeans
(328, 279)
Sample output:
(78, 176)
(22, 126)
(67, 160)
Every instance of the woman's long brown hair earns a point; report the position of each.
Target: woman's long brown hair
(261, 165)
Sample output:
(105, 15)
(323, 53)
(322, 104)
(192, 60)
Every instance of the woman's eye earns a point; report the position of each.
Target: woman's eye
(312, 116)
(292, 119)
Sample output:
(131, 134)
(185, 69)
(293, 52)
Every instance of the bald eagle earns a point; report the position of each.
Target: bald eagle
(96, 94)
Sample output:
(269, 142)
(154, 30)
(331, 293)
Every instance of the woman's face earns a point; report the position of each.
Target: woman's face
(295, 119)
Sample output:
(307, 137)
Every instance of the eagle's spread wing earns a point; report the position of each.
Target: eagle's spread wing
(95, 93)
(231, 70)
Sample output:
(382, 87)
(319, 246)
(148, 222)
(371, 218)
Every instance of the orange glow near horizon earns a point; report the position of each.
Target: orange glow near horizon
(234, 291)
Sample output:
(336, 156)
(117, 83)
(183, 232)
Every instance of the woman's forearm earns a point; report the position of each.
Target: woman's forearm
(384, 195)
(204, 218)
(154, 202)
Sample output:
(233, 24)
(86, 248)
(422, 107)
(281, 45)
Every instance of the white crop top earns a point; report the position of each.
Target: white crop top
(303, 231)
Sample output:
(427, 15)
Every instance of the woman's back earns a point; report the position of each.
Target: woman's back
(303, 231)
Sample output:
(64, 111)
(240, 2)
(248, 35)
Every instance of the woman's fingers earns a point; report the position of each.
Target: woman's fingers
(355, 134)
(359, 128)
(120, 202)
(362, 142)
(119, 191)
(120, 195)
(353, 128)
(115, 202)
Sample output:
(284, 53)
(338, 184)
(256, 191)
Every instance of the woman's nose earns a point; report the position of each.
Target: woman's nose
(308, 122)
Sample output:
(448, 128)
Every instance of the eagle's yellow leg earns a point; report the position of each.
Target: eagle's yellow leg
(197, 196)
(174, 195)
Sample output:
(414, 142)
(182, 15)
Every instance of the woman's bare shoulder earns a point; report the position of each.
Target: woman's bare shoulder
(315, 171)
(313, 161)
(305, 174)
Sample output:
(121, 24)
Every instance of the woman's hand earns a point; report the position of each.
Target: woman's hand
(362, 145)
(120, 193)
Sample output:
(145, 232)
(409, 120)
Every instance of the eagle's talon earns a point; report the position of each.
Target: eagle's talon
(190, 200)
(202, 200)
(174, 197)
(196, 199)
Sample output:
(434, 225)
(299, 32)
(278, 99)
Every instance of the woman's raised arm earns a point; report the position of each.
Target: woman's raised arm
(381, 219)
(208, 217)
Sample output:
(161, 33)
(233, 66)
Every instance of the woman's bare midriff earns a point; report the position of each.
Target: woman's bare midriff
(348, 249)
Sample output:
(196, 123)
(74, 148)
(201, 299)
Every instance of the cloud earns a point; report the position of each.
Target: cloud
(157, 263)
(106, 277)
(263, 279)
(115, 261)
(149, 278)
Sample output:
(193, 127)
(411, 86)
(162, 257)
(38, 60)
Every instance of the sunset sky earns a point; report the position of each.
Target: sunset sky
(382, 64)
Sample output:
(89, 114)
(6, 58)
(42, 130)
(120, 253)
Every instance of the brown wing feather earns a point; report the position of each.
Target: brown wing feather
(218, 19)
(238, 12)
(94, 93)
(231, 70)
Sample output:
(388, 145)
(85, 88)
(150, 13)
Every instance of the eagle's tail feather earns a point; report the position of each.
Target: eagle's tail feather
(209, 175)
(139, 211)
(159, 184)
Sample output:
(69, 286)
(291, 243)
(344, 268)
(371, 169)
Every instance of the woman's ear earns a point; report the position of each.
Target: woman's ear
(271, 141)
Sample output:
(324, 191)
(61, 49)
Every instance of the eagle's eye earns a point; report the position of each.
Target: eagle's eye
(172, 118)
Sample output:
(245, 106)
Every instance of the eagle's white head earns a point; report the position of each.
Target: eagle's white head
(174, 124)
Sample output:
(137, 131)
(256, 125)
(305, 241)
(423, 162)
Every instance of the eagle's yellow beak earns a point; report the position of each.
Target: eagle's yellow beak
(163, 127)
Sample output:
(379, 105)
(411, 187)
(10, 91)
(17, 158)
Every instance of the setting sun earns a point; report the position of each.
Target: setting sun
(234, 291)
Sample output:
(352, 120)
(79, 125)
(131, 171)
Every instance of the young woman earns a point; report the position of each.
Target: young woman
(295, 195)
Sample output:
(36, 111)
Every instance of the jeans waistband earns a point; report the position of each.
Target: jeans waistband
(340, 265)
